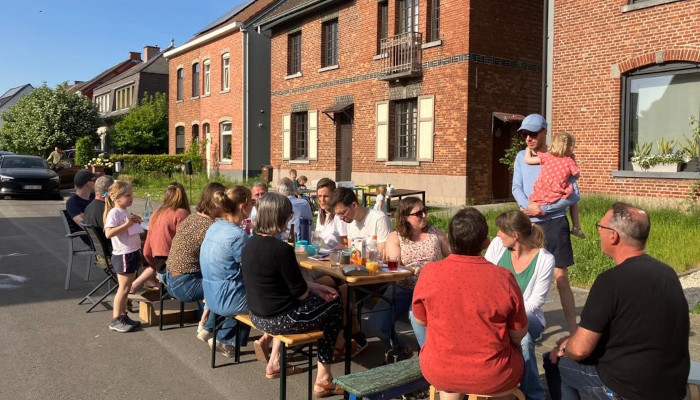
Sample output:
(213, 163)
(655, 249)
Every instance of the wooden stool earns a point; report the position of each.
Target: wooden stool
(292, 340)
(505, 395)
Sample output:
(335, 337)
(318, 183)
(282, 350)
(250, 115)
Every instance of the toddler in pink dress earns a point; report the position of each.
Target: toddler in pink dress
(554, 181)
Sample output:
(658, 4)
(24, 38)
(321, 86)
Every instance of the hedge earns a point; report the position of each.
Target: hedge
(163, 163)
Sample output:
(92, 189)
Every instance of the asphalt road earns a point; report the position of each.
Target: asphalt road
(51, 348)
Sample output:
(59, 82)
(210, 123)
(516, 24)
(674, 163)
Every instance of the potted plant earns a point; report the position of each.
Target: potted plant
(666, 160)
(100, 164)
(691, 146)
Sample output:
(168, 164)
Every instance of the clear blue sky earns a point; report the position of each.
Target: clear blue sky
(65, 40)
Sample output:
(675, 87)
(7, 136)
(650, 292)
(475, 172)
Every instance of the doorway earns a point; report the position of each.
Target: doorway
(504, 128)
(344, 146)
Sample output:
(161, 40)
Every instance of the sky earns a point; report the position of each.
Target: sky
(54, 41)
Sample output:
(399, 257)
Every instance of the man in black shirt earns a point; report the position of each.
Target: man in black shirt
(632, 341)
(94, 211)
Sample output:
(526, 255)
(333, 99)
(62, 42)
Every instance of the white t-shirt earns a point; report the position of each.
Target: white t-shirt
(375, 223)
(331, 231)
(123, 243)
(253, 213)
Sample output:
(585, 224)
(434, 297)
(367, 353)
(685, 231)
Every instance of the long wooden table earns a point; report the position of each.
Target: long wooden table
(356, 282)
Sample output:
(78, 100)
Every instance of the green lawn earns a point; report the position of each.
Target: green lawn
(674, 238)
(154, 183)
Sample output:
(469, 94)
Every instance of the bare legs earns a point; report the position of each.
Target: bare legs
(146, 276)
(122, 294)
(566, 297)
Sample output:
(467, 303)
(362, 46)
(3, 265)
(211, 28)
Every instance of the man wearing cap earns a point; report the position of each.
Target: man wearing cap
(84, 193)
(552, 218)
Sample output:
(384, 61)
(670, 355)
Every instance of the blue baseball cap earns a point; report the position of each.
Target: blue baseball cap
(533, 123)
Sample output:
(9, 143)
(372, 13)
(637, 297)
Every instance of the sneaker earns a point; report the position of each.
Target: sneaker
(397, 354)
(119, 324)
(224, 349)
(204, 335)
(577, 231)
(131, 322)
(361, 343)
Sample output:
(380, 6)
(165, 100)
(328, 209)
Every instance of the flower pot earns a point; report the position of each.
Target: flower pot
(96, 169)
(675, 167)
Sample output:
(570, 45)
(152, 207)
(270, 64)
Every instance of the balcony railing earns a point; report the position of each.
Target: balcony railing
(402, 56)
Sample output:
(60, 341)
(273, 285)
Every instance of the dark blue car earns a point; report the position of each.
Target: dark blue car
(27, 175)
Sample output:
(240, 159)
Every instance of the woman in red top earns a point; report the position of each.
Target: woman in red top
(163, 225)
(474, 316)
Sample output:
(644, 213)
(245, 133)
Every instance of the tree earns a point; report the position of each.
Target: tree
(145, 129)
(46, 118)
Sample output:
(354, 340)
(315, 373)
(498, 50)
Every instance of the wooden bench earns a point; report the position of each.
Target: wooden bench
(288, 341)
(385, 382)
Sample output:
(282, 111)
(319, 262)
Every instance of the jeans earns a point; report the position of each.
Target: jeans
(187, 288)
(567, 379)
(227, 330)
(418, 329)
(381, 321)
(530, 383)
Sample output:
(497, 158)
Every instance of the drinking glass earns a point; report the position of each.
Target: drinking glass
(335, 257)
(316, 241)
(392, 263)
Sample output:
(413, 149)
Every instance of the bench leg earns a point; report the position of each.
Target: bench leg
(283, 371)
(213, 347)
(182, 314)
(310, 361)
(160, 303)
(237, 352)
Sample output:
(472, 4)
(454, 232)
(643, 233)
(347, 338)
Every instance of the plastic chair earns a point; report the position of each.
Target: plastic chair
(73, 231)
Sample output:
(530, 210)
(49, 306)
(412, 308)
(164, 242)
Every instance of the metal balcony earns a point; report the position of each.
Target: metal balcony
(402, 56)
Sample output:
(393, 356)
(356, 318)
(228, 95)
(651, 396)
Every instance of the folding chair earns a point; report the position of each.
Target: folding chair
(103, 261)
(73, 231)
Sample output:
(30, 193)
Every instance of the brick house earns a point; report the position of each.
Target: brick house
(118, 95)
(424, 94)
(636, 80)
(219, 91)
(86, 88)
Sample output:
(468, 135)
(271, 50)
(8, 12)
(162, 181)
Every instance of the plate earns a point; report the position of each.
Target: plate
(32, 187)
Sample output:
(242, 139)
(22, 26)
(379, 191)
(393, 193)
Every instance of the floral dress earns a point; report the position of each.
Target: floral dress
(417, 254)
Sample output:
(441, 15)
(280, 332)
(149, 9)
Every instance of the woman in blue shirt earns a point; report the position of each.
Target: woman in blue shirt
(220, 259)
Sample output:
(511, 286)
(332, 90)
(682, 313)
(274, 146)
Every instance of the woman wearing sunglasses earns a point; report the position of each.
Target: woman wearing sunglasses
(414, 243)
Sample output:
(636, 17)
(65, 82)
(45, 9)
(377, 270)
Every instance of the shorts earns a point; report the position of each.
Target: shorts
(126, 263)
(557, 236)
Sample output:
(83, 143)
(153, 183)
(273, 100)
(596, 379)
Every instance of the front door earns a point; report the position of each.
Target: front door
(500, 175)
(345, 153)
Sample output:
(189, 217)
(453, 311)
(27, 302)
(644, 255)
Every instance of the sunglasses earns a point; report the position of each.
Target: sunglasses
(528, 133)
(420, 213)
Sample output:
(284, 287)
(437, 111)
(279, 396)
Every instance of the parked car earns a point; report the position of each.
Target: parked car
(66, 168)
(6, 153)
(27, 175)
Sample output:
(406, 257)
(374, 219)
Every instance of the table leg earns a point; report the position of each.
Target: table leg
(347, 332)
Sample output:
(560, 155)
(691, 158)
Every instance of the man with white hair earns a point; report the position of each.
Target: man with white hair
(94, 211)
(257, 190)
(300, 207)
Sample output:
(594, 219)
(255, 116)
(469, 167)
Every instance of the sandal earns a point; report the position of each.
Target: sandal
(339, 353)
(329, 389)
(262, 352)
(291, 370)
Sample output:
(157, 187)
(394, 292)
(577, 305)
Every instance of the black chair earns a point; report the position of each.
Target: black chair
(164, 294)
(103, 260)
(74, 231)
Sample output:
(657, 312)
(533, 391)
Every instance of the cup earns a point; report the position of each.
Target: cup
(392, 263)
(345, 256)
(335, 256)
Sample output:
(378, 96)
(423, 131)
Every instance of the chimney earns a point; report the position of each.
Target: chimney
(149, 52)
(134, 55)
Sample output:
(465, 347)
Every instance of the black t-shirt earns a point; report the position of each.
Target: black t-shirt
(272, 277)
(94, 216)
(642, 314)
(76, 205)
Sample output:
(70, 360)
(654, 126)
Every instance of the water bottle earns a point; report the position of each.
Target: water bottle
(304, 232)
(147, 212)
(372, 250)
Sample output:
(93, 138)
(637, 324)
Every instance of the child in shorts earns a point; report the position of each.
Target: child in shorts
(554, 181)
(123, 228)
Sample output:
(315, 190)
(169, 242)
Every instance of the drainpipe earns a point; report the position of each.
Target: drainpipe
(545, 49)
(246, 91)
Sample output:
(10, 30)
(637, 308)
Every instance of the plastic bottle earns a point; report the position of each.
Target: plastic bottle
(147, 212)
(372, 250)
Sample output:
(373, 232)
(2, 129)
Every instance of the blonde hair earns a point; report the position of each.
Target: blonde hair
(175, 197)
(561, 144)
(382, 190)
(117, 190)
(302, 179)
(230, 200)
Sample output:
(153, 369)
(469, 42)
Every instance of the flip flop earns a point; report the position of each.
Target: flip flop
(329, 389)
(262, 353)
(291, 370)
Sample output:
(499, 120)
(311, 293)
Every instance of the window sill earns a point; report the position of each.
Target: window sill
(378, 57)
(179, 101)
(206, 95)
(656, 175)
(403, 163)
(194, 97)
(225, 162)
(224, 91)
(328, 68)
(292, 76)
(434, 43)
(645, 4)
(298, 161)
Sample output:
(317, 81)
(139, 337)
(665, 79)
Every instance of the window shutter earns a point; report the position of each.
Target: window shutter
(313, 135)
(286, 137)
(426, 111)
(382, 130)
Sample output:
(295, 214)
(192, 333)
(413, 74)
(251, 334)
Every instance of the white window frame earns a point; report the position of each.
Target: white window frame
(225, 72)
(223, 132)
(207, 77)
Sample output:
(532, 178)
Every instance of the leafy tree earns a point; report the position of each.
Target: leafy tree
(145, 128)
(46, 118)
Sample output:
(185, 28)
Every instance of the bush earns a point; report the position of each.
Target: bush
(84, 150)
(162, 163)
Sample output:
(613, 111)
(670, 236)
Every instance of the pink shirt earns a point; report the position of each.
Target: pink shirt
(553, 181)
(161, 232)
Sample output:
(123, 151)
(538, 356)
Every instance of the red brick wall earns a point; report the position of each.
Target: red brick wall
(452, 84)
(215, 107)
(594, 42)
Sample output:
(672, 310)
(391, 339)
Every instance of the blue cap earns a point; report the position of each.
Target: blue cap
(533, 123)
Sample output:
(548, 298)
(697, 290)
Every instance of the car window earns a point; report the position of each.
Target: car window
(35, 163)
